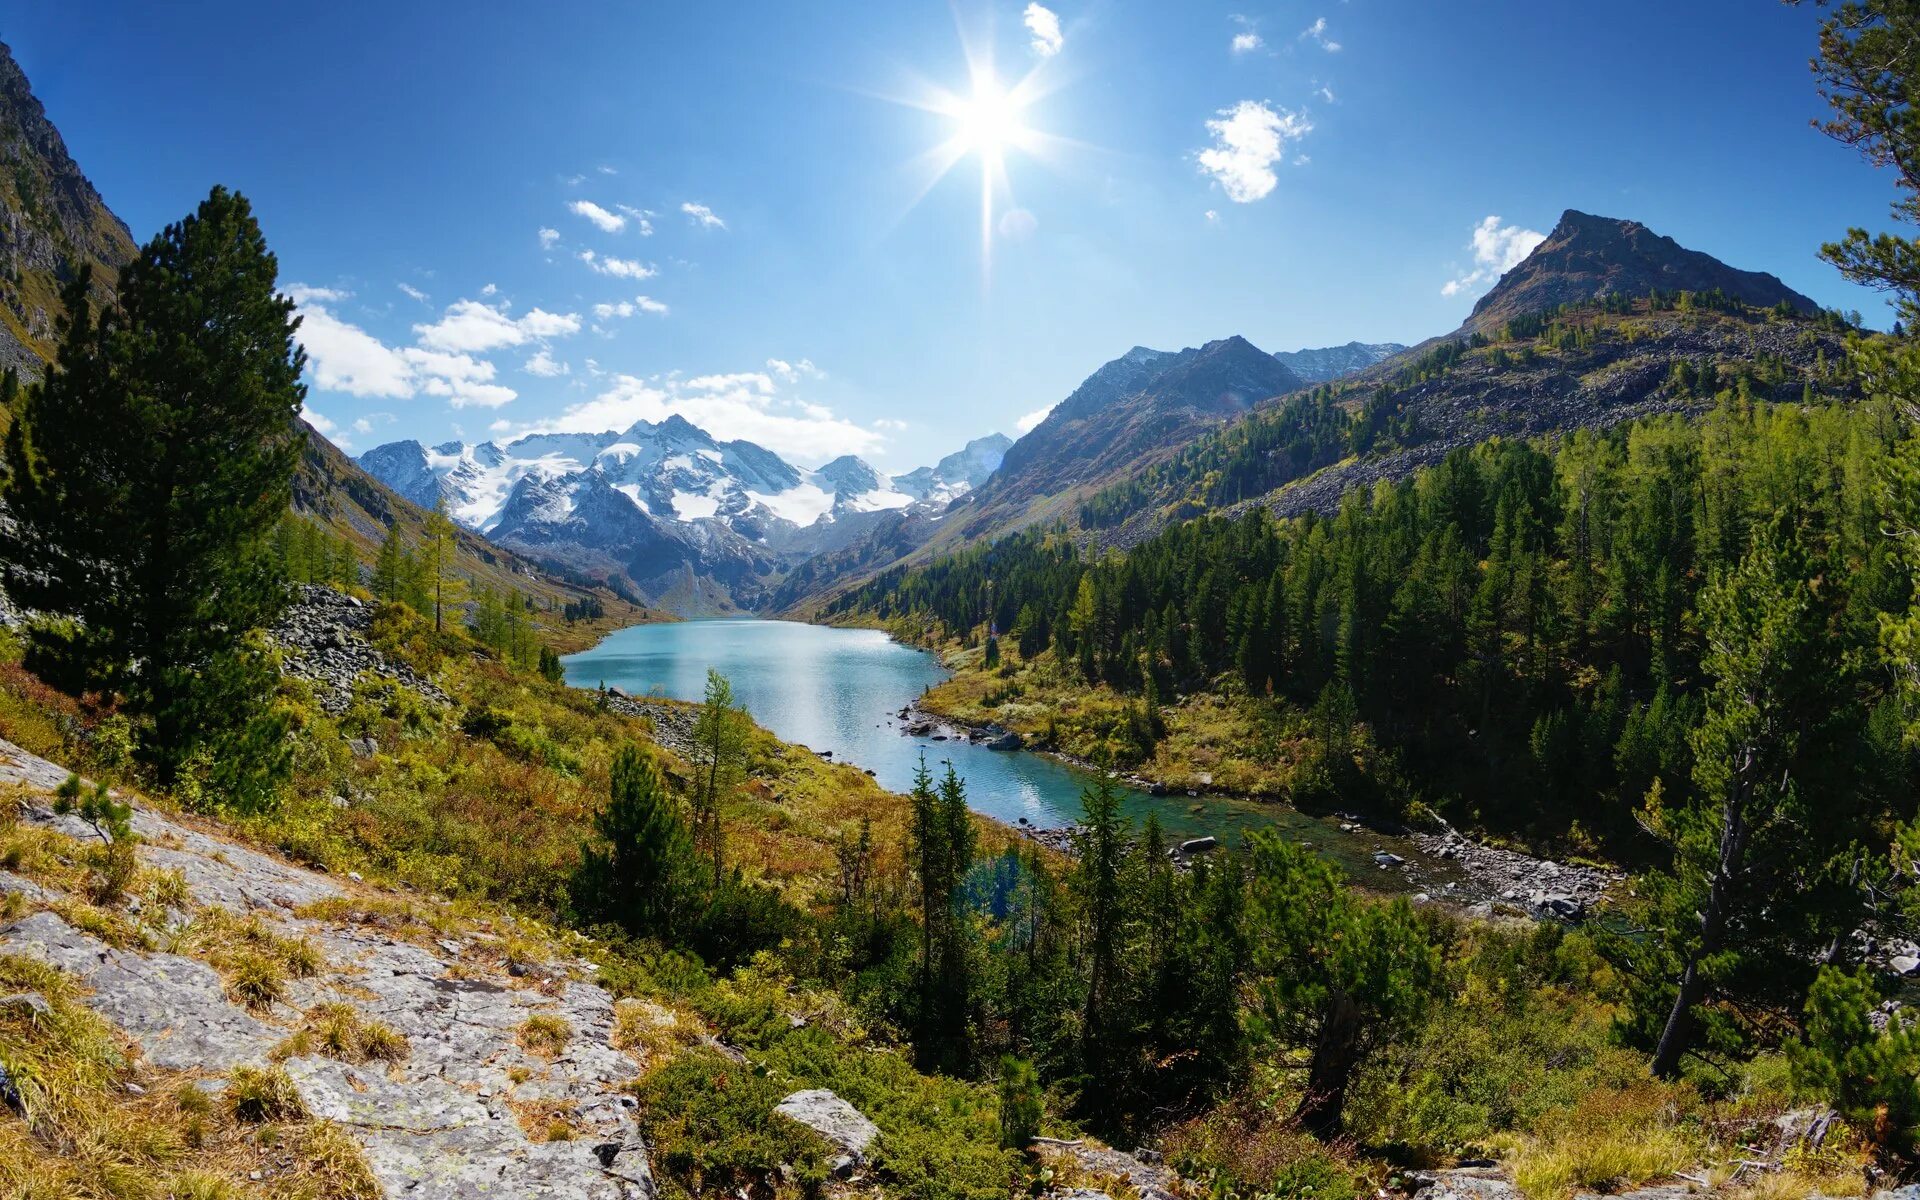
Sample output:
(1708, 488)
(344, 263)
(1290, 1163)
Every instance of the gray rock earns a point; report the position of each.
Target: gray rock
(833, 1119)
(32, 1003)
(175, 1007)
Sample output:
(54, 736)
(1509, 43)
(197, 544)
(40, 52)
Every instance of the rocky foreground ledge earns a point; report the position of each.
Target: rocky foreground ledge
(450, 1120)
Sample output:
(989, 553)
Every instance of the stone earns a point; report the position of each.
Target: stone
(365, 747)
(175, 1007)
(833, 1119)
(32, 1003)
(1200, 845)
(1386, 858)
(1904, 964)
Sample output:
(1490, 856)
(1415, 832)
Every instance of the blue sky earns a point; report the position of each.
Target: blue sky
(764, 260)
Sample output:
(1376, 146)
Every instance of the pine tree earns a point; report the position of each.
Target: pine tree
(146, 476)
(1758, 846)
(1339, 974)
(641, 871)
(1867, 68)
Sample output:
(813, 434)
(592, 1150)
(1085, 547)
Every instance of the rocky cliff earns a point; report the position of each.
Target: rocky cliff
(52, 222)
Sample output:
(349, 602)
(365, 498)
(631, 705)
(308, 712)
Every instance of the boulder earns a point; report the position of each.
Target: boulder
(835, 1120)
(1200, 845)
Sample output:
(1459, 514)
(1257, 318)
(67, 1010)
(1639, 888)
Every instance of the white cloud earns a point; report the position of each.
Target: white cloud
(747, 404)
(491, 289)
(318, 421)
(1246, 43)
(412, 293)
(627, 308)
(1497, 249)
(545, 365)
(1248, 139)
(1026, 424)
(789, 372)
(548, 237)
(607, 170)
(1325, 93)
(888, 423)
(1044, 24)
(1318, 32)
(473, 327)
(609, 222)
(363, 426)
(702, 216)
(345, 358)
(303, 294)
(619, 268)
(1018, 223)
(1213, 216)
(642, 219)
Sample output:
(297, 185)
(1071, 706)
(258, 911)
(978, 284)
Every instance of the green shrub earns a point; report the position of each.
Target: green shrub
(714, 1130)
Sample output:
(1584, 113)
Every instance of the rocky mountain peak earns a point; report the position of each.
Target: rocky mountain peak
(1588, 256)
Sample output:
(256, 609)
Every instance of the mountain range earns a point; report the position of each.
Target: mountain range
(689, 520)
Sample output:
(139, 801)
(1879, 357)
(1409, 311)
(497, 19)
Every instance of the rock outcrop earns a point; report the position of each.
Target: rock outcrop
(475, 1108)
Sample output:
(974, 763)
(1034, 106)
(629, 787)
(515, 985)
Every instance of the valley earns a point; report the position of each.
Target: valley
(471, 728)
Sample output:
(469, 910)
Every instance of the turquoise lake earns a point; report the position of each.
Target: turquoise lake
(841, 690)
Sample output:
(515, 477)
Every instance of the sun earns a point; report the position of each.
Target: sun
(989, 120)
(986, 120)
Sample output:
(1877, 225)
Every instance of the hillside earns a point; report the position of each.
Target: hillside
(52, 222)
(1601, 323)
(1586, 366)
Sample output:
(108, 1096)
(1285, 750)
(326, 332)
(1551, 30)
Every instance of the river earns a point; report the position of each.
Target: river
(840, 690)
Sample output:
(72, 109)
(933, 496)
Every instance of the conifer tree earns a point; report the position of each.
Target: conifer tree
(719, 761)
(145, 477)
(1339, 975)
(1759, 848)
(641, 873)
(441, 543)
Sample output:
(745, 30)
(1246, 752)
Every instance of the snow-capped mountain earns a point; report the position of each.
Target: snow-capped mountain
(692, 520)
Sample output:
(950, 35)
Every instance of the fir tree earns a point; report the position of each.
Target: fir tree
(146, 475)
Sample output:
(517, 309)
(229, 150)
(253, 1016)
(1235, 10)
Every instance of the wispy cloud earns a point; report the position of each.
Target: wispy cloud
(619, 268)
(1248, 139)
(1027, 423)
(545, 365)
(412, 293)
(1044, 24)
(1247, 42)
(1497, 249)
(548, 237)
(1317, 32)
(608, 222)
(642, 219)
(702, 216)
(791, 372)
(301, 293)
(627, 308)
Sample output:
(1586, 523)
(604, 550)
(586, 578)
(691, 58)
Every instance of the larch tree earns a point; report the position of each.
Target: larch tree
(146, 475)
